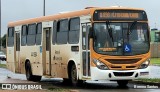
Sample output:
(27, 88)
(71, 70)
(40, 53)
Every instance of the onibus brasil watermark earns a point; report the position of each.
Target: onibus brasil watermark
(21, 86)
(146, 87)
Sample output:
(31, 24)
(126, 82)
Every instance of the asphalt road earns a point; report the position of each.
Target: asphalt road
(89, 86)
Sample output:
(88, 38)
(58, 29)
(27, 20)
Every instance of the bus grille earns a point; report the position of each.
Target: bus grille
(123, 73)
(122, 61)
(130, 66)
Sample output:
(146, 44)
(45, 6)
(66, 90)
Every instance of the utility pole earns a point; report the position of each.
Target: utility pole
(44, 6)
(0, 28)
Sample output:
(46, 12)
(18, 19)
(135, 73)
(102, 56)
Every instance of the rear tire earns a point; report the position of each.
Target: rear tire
(28, 72)
(74, 80)
(29, 75)
(66, 81)
(36, 78)
(122, 83)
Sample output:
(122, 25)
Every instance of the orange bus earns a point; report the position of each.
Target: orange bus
(104, 43)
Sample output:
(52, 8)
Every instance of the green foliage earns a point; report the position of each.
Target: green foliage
(3, 39)
(155, 61)
(58, 89)
(152, 80)
(2, 65)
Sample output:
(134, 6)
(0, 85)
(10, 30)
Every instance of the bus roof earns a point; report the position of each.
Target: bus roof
(86, 11)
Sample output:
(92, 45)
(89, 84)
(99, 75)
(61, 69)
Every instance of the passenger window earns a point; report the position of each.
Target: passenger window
(62, 32)
(31, 37)
(54, 32)
(74, 30)
(24, 35)
(10, 40)
(39, 34)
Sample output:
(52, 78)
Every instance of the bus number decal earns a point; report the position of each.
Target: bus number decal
(57, 58)
(57, 52)
(34, 54)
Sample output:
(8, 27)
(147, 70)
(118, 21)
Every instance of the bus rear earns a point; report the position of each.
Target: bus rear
(120, 45)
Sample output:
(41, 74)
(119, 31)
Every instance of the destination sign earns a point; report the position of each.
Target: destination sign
(108, 49)
(118, 15)
(101, 15)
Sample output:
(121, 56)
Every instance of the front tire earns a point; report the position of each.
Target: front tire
(122, 83)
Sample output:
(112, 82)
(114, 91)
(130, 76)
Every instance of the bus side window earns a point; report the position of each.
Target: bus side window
(39, 34)
(10, 36)
(24, 35)
(74, 30)
(54, 32)
(62, 32)
(10, 32)
(31, 37)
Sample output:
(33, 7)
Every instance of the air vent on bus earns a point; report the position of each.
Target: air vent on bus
(122, 61)
(123, 73)
(130, 66)
(115, 66)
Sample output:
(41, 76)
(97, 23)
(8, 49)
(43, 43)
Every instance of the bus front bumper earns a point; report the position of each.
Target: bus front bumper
(97, 74)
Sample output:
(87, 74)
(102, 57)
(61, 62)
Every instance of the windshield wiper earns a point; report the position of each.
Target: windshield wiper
(131, 27)
(110, 30)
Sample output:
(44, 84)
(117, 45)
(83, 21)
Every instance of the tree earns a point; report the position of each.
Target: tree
(3, 39)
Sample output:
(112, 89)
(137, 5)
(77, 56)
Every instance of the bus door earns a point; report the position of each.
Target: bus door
(47, 51)
(17, 49)
(86, 50)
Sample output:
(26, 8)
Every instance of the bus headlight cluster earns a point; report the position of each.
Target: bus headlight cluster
(100, 65)
(144, 64)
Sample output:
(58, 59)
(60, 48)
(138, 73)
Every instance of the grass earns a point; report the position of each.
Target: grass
(155, 61)
(58, 89)
(2, 65)
(152, 80)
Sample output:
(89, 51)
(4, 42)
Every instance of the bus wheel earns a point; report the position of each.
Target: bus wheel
(122, 83)
(29, 75)
(36, 78)
(66, 81)
(74, 80)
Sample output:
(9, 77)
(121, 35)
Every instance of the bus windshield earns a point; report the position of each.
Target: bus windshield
(111, 38)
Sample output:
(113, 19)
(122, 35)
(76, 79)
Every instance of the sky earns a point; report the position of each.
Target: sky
(13, 10)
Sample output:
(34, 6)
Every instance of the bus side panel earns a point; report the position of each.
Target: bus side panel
(57, 61)
(22, 59)
(32, 53)
(10, 59)
(37, 67)
(61, 55)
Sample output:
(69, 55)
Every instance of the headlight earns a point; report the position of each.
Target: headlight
(100, 65)
(144, 64)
